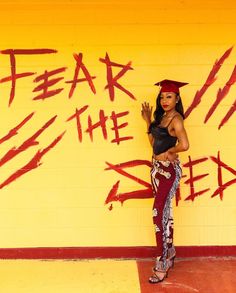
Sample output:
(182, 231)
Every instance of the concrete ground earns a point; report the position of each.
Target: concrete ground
(204, 275)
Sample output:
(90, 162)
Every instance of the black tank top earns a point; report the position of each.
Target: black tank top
(162, 139)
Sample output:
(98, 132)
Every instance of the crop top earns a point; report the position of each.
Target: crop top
(162, 139)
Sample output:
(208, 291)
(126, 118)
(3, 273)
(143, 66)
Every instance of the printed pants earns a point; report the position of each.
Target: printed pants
(165, 177)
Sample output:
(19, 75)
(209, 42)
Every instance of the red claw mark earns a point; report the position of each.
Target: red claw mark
(121, 197)
(228, 115)
(88, 77)
(26, 144)
(112, 81)
(48, 83)
(34, 163)
(221, 186)
(192, 178)
(14, 76)
(221, 94)
(14, 131)
(210, 80)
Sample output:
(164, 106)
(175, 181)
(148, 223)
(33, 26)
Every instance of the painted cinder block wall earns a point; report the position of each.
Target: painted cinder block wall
(73, 151)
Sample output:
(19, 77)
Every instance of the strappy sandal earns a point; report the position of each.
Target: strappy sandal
(170, 259)
(171, 256)
(170, 264)
(161, 269)
(156, 279)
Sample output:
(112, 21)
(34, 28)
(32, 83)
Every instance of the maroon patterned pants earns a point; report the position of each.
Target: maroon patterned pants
(165, 177)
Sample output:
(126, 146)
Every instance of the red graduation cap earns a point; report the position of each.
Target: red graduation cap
(168, 85)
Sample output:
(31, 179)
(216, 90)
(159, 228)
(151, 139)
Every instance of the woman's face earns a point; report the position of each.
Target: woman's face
(168, 100)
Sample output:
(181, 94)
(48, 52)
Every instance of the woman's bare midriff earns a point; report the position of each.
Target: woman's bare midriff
(160, 157)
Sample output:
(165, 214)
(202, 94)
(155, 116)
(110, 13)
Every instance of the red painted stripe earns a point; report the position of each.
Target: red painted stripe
(191, 251)
(110, 252)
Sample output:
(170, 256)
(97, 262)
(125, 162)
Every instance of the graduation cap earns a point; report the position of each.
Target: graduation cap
(168, 85)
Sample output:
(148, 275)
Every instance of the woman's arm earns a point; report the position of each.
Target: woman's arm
(150, 137)
(180, 133)
(147, 114)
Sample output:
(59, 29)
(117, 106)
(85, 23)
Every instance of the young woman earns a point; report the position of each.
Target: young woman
(168, 137)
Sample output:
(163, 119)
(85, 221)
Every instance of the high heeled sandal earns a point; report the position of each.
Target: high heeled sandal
(169, 262)
(156, 279)
(171, 256)
(172, 261)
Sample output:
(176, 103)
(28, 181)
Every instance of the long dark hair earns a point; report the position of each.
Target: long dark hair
(158, 113)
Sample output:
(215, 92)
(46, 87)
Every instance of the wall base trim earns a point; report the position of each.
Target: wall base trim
(110, 252)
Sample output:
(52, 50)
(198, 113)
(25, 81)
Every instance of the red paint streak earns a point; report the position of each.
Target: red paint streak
(222, 94)
(177, 196)
(101, 123)
(88, 77)
(34, 163)
(192, 178)
(116, 127)
(195, 162)
(26, 144)
(221, 186)
(137, 194)
(78, 122)
(122, 197)
(14, 76)
(178, 193)
(48, 83)
(119, 169)
(14, 131)
(199, 177)
(112, 195)
(112, 81)
(132, 164)
(210, 80)
(27, 51)
(196, 194)
(228, 115)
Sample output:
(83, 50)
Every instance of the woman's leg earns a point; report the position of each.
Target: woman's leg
(165, 179)
(170, 225)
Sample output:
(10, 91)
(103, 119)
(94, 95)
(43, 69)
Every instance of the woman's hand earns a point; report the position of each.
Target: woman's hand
(170, 156)
(146, 112)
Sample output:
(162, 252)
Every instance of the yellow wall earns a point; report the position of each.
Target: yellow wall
(61, 202)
